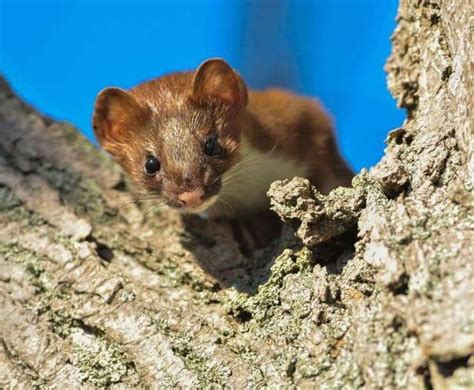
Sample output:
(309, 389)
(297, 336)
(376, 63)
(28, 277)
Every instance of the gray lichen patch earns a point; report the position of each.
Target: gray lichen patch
(308, 311)
(32, 262)
(209, 372)
(12, 208)
(316, 218)
(258, 306)
(83, 195)
(101, 363)
(8, 200)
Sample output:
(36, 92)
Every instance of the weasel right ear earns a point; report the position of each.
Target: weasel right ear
(116, 114)
(215, 78)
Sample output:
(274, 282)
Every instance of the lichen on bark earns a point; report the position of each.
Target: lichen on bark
(375, 289)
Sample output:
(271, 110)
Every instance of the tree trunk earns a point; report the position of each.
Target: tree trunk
(376, 289)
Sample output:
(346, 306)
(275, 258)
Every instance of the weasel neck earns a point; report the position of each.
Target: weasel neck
(245, 186)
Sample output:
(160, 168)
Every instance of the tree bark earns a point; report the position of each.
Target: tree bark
(375, 290)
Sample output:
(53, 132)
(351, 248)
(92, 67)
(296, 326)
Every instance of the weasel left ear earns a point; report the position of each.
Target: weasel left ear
(215, 78)
(116, 116)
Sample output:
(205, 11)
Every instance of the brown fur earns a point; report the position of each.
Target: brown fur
(172, 116)
(299, 128)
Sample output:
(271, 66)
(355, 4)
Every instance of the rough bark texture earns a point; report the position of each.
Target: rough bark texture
(96, 290)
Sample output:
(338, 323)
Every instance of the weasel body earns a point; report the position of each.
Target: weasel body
(201, 142)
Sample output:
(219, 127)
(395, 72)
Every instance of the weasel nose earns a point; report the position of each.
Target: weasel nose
(192, 198)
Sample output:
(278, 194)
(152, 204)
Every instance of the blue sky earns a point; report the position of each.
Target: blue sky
(59, 54)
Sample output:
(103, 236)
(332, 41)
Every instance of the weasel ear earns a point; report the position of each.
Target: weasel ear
(215, 78)
(116, 114)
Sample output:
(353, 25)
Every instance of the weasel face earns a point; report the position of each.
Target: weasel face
(182, 157)
(176, 136)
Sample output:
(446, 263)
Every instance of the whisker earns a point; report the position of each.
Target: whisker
(228, 205)
(235, 198)
(244, 163)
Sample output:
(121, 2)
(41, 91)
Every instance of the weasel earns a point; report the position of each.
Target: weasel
(201, 142)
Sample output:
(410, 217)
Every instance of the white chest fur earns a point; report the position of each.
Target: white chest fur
(245, 186)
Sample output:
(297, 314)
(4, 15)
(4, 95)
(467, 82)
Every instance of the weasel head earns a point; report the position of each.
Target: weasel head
(176, 136)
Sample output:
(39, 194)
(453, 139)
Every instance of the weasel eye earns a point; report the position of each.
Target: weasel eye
(212, 147)
(152, 166)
